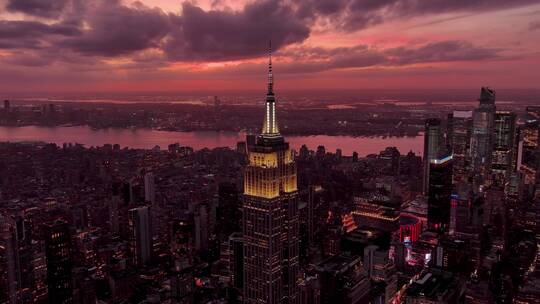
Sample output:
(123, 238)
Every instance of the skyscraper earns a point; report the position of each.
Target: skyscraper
(59, 261)
(459, 141)
(140, 235)
(270, 217)
(8, 271)
(440, 192)
(482, 137)
(236, 260)
(202, 229)
(433, 141)
(528, 148)
(503, 147)
(149, 188)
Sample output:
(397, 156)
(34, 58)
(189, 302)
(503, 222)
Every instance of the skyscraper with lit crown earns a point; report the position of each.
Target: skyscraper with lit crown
(270, 217)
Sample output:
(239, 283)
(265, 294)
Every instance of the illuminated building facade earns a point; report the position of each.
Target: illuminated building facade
(270, 217)
(377, 212)
(410, 228)
(528, 146)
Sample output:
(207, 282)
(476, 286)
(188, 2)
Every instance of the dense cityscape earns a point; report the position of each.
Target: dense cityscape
(266, 224)
(269, 152)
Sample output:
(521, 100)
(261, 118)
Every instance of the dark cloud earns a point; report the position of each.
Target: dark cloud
(111, 28)
(310, 8)
(443, 51)
(21, 29)
(116, 29)
(40, 8)
(353, 15)
(32, 34)
(227, 35)
(306, 60)
(414, 7)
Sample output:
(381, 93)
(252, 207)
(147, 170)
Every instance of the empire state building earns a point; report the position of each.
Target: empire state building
(270, 217)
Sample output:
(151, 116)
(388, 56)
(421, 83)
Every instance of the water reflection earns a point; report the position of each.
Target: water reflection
(147, 139)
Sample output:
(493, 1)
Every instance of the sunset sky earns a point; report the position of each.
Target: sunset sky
(160, 45)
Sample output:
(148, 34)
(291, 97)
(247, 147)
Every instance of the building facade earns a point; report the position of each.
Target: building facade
(440, 192)
(270, 215)
(502, 163)
(433, 141)
(459, 141)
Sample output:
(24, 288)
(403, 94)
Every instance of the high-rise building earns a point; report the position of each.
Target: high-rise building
(528, 153)
(514, 190)
(440, 192)
(8, 269)
(228, 213)
(149, 188)
(24, 255)
(236, 260)
(270, 217)
(59, 261)
(114, 213)
(433, 141)
(482, 138)
(459, 142)
(503, 147)
(39, 272)
(140, 235)
(202, 227)
(127, 193)
(6, 105)
(182, 237)
(16, 275)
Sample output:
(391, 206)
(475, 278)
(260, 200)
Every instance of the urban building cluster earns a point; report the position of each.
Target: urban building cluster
(266, 224)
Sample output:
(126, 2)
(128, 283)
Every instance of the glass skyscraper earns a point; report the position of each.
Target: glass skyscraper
(482, 138)
(433, 143)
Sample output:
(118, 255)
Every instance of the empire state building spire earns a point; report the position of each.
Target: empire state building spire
(270, 75)
(270, 126)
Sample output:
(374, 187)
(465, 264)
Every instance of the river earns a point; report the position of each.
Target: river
(147, 139)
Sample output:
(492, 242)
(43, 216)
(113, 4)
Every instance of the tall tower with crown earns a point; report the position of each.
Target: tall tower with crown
(270, 214)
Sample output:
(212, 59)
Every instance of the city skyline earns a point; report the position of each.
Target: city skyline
(98, 46)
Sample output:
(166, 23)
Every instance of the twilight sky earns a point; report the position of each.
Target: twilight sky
(163, 45)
